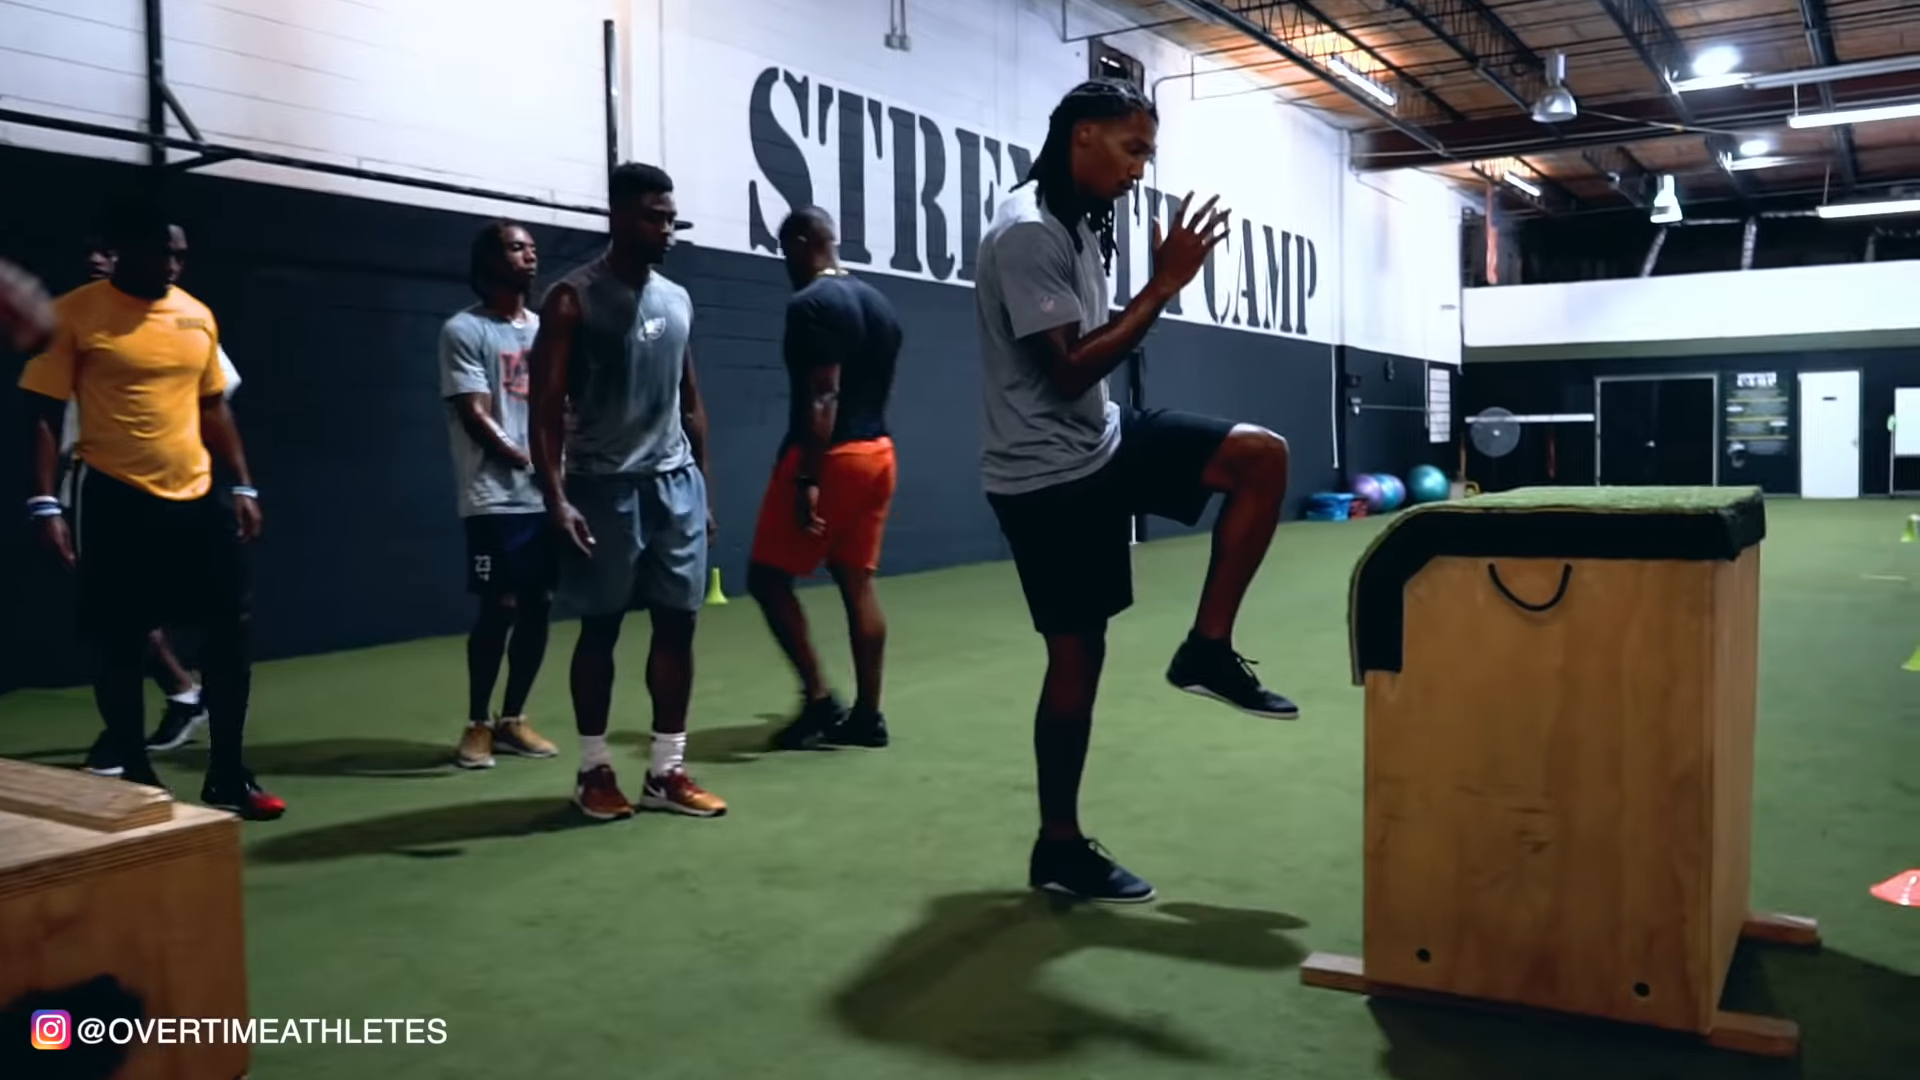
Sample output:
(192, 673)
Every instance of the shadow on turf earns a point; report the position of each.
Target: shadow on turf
(433, 833)
(970, 982)
(380, 758)
(1857, 1021)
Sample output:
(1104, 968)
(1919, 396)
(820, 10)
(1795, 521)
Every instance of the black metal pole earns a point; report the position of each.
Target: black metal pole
(156, 88)
(610, 42)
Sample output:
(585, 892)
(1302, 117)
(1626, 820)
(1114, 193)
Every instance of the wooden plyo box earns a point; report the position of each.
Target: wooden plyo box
(113, 897)
(1559, 756)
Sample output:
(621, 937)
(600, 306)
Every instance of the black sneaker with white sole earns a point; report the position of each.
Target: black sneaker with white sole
(1212, 669)
(103, 759)
(1082, 868)
(178, 725)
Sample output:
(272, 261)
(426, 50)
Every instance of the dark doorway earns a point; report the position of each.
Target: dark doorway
(1657, 431)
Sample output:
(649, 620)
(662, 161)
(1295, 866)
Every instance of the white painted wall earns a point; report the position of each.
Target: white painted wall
(1855, 298)
(506, 95)
(1400, 239)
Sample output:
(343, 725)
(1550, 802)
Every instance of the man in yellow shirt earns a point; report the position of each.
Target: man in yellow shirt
(151, 544)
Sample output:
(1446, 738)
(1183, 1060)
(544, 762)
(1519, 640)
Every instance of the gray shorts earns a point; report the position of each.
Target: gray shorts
(650, 543)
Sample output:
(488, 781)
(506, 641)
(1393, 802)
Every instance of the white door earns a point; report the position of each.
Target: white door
(1829, 434)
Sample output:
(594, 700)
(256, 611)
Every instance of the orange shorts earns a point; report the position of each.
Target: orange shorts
(856, 494)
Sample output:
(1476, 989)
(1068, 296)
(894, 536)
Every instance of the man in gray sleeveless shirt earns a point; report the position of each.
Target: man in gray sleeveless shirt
(615, 401)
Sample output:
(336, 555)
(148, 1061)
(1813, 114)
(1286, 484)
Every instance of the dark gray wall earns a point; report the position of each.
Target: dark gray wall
(1567, 386)
(330, 307)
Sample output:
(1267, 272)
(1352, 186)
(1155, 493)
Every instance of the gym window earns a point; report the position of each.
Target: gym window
(1106, 62)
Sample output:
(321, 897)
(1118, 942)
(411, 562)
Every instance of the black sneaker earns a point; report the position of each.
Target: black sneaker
(1083, 868)
(240, 793)
(102, 758)
(177, 727)
(143, 774)
(815, 718)
(1212, 669)
(858, 729)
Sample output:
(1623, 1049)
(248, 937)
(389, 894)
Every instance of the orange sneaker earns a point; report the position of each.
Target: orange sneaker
(598, 795)
(476, 747)
(513, 735)
(677, 793)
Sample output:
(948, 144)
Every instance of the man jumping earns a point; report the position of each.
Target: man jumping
(1066, 471)
(630, 504)
(510, 550)
(152, 544)
(833, 483)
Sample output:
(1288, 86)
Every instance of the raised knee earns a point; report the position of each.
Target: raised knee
(1260, 456)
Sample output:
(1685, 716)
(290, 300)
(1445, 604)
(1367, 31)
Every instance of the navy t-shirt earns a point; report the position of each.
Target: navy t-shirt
(838, 319)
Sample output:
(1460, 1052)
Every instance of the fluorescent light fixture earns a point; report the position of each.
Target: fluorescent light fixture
(1869, 209)
(1754, 147)
(1708, 82)
(1352, 74)
(1522, 184)
(1764, 161)
(1717, 61)
(1854, 116)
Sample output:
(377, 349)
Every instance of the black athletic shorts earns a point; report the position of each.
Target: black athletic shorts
(511, 553)
(147, 562)
(1072, 543)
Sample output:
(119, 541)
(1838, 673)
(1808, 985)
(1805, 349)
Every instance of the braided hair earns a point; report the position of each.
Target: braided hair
(1052, 171)
(489, 244)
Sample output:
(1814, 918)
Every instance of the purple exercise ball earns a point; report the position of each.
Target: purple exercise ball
(1367, 488)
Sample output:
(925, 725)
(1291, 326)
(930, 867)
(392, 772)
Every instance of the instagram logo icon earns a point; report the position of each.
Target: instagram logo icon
(52, 1029)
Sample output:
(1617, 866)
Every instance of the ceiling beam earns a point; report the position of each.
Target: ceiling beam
(1645, 27)
(1283, 27)
(1813, 18)
(1485, 41)
(1623, 173)
(1630, 121)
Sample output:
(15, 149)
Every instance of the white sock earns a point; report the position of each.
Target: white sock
(189, 696)
(593, 751)
(669, 751)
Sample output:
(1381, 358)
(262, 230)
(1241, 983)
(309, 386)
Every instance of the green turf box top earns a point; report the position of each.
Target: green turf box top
(1690, 523)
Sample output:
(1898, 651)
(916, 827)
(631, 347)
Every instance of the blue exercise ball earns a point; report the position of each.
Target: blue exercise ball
(1396, 491)
(1428, 484)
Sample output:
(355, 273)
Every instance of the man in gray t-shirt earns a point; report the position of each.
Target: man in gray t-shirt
(510, 551)
(1066, 471)
(620, 447)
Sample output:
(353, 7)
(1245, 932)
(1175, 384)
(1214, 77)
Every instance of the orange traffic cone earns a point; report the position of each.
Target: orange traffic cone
(1902, 889)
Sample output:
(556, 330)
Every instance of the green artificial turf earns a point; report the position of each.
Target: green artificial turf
(1613, 500)
(860, 914)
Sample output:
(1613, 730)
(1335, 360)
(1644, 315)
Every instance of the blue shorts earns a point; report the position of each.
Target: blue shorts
(510, 553)
(650, 543)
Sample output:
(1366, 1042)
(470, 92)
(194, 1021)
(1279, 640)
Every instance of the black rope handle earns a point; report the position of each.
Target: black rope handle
(1566, 576)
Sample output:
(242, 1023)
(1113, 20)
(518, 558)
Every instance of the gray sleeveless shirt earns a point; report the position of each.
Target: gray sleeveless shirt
(623, 379)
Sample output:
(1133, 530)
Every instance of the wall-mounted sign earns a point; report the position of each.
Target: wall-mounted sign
(1758, 419)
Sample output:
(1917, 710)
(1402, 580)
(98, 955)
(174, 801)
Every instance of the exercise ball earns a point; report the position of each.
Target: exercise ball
(1396, 491)
(1367, 489)
(1427, 484)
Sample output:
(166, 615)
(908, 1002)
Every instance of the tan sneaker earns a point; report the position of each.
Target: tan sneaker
(513, 735)
(677, 793)
(598, 795)
(476, 747)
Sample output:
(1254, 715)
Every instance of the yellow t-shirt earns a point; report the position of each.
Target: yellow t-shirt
(138, 369)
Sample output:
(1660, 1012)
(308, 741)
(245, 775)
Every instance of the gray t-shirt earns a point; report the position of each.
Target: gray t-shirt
(1031, 280)
(623, 379)
(481, 353)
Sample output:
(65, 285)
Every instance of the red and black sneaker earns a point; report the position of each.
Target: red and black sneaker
(239, 793)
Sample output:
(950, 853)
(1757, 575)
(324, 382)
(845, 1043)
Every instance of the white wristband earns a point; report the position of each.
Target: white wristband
(242, 489)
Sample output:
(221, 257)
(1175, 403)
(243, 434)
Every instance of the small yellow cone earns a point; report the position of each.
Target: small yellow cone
(1913, 662)
(715, 597)
(1912, 535)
